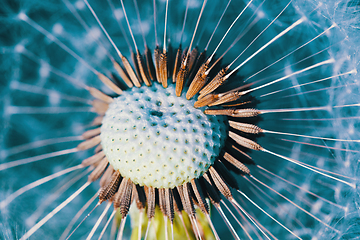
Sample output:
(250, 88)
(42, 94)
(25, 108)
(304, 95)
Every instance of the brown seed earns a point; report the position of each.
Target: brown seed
(111, 188)
(130, 72)
(208, 99)
(136, 66)
(91, 133)
(176, 64)
(198, 82)
(122, 74)
(98, 171)
(127, 199)
(109, 83)
(239, 165)
(142, 69)
(180, 79)
(214, 83)
(150, 64)
(186, 199)
(162, 200)
(100, 95)
(247, 112)
(166, 203)
(227, 97)
(100, 107)
(106, 177)
(150, 199)
(93, 159)
(220, 183)
(92, 142)
(123, 197)
(200, 196)
(245, 142)
(98, 148)
(169, 202)
(245, 127)
(97, 121)
(163, 64)
(157, 63)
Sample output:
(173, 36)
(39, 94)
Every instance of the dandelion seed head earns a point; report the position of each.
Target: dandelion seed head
(337, 91)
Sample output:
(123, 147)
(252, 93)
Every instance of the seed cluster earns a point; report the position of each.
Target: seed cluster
(158, 139)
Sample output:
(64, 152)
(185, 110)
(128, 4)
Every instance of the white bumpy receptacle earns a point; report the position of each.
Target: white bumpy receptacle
(157, 139)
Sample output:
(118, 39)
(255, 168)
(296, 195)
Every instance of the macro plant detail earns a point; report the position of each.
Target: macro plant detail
(234, 117)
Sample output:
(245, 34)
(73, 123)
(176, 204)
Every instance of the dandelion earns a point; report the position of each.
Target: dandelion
(194, 119)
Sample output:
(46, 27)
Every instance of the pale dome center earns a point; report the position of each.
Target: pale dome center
(158, 139)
